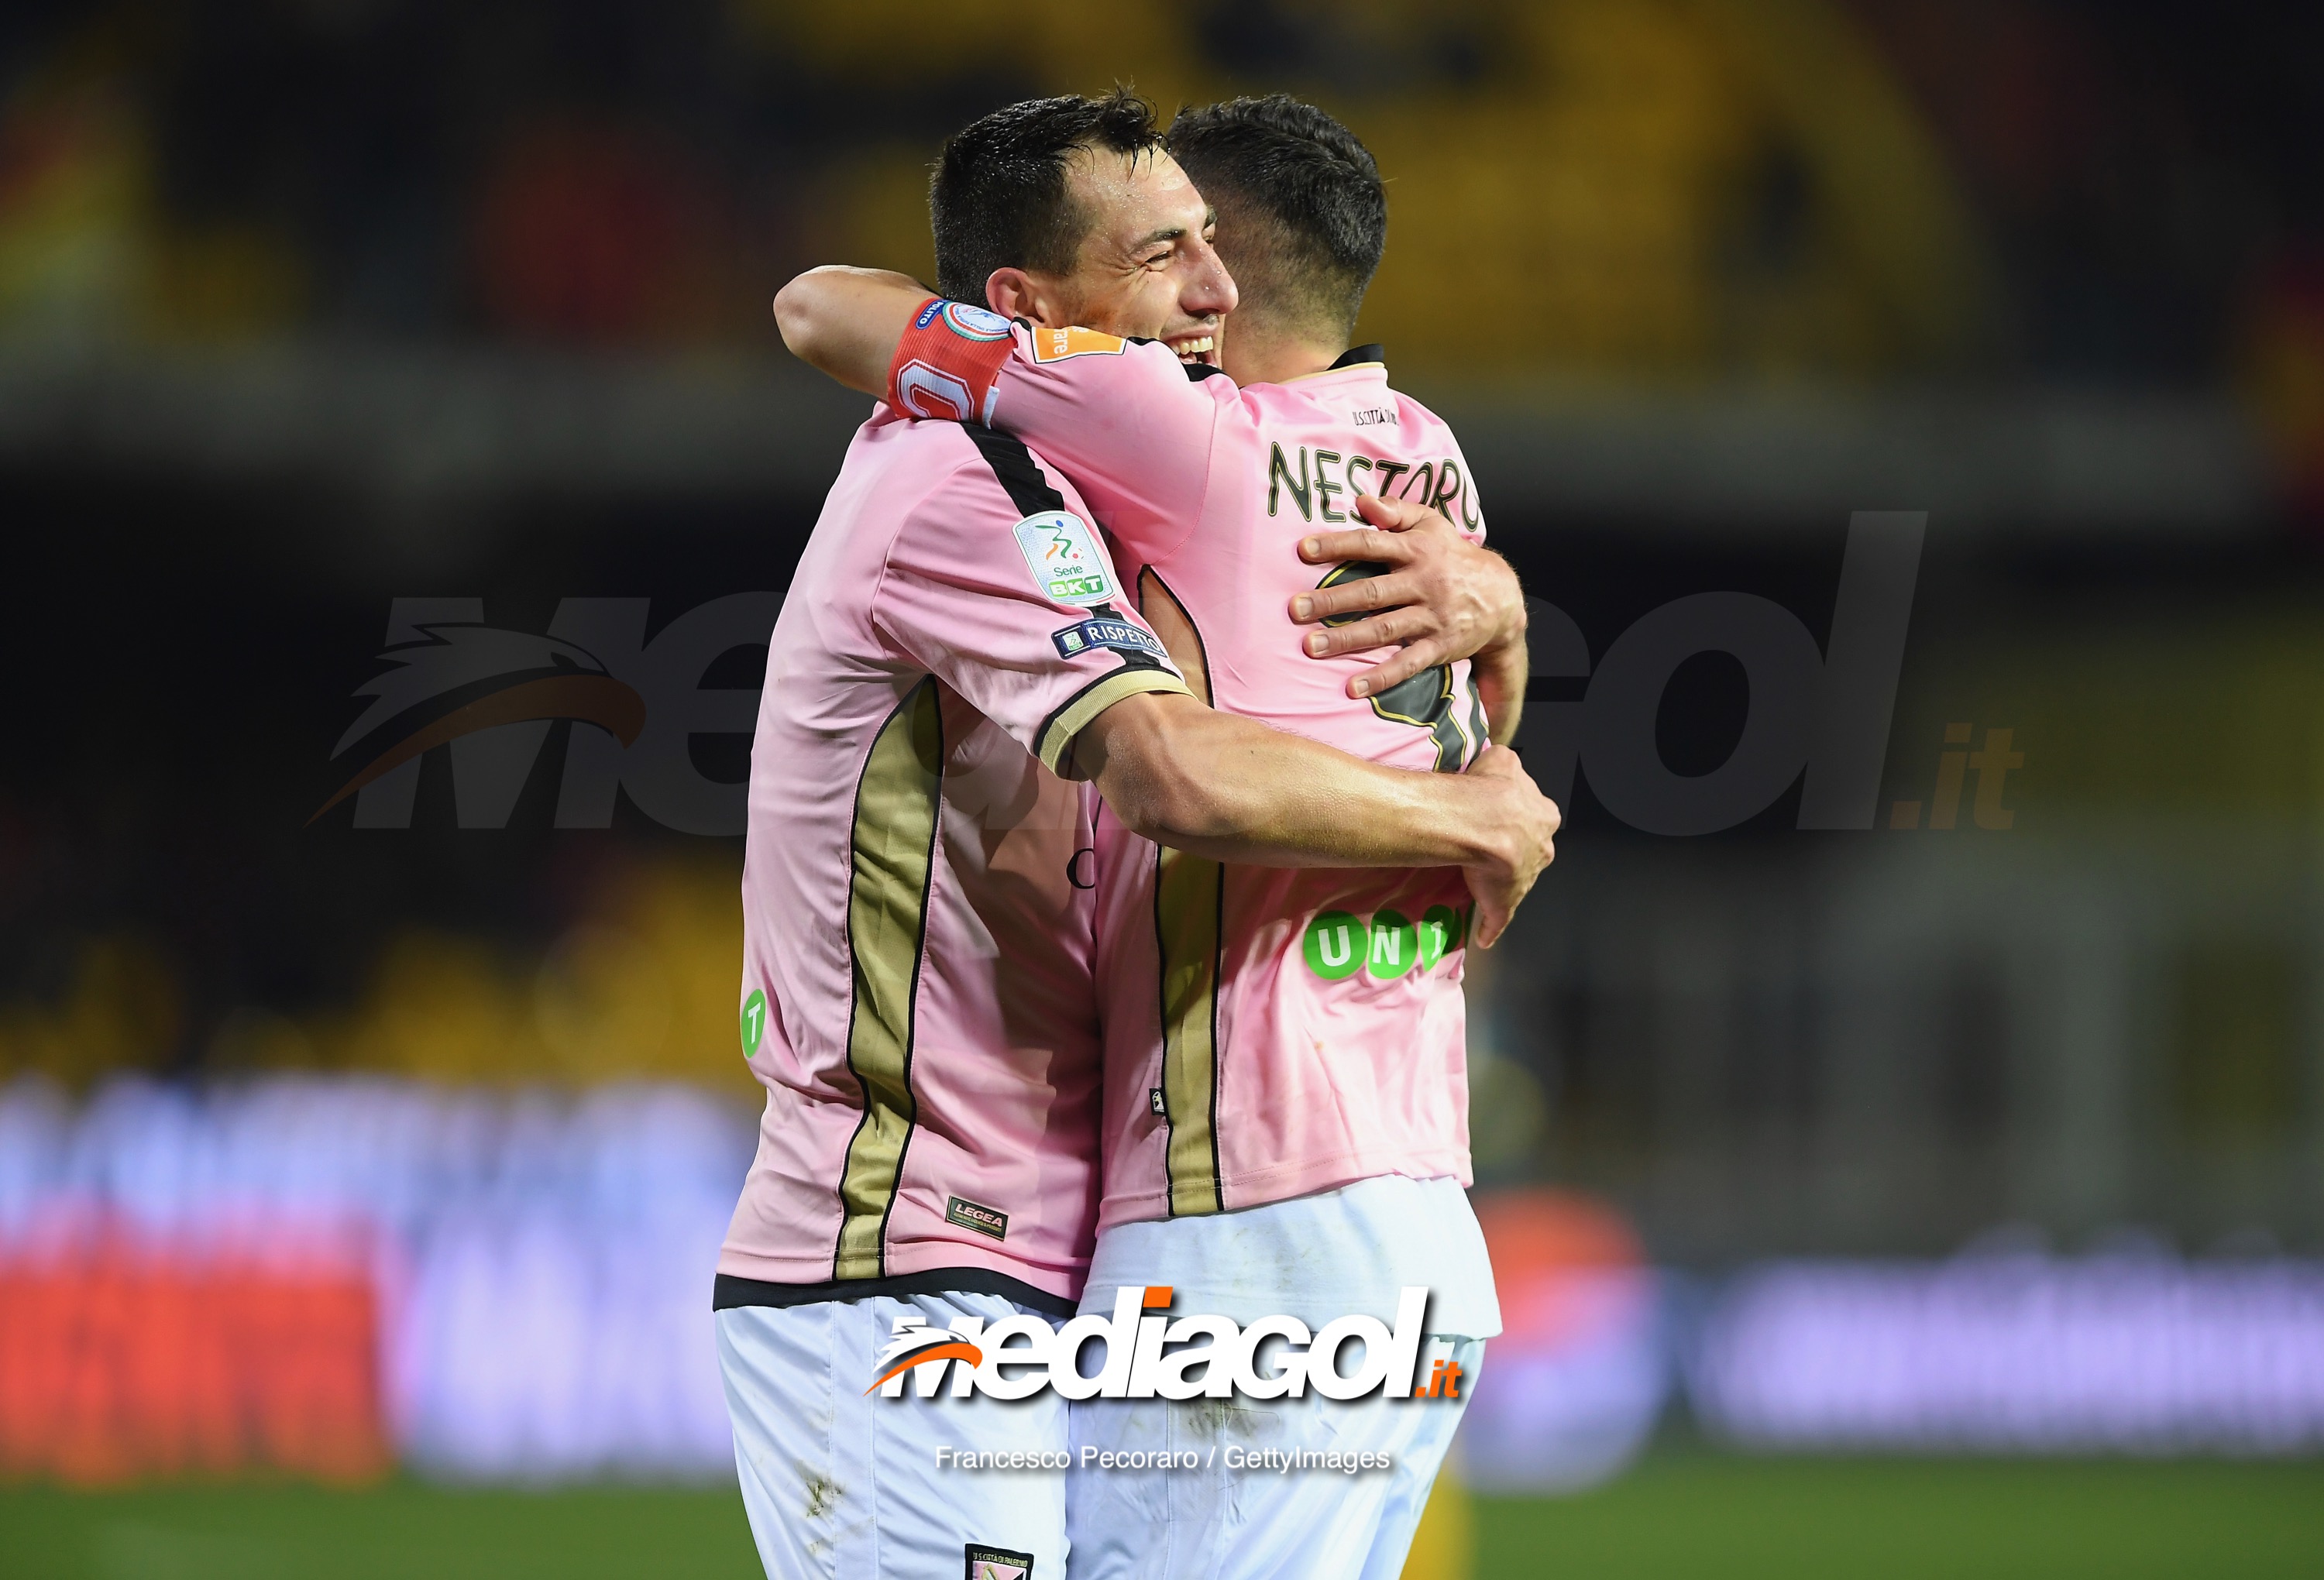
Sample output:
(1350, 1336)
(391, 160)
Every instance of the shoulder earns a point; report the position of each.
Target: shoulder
(952, 481)
(1423, 432)
(1418, 419)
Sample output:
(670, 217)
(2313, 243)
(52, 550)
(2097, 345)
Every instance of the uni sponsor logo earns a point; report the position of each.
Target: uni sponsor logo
(984, 1220)
(1152, 1354)
(1338, 945)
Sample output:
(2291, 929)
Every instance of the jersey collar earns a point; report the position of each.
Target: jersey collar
(1356, 359)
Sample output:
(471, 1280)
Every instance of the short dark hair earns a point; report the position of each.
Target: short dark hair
(999, 198)
(1298, 197)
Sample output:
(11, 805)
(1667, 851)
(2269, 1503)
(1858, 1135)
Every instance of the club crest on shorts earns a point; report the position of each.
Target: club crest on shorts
(993, 1563)
(1067, 564)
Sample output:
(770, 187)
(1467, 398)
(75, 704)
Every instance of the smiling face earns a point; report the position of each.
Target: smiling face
(1145, 267)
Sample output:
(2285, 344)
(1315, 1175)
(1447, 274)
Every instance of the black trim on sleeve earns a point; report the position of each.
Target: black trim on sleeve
(729, 1293)
(1014, 466)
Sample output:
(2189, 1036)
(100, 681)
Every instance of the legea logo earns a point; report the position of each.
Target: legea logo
(1216, 1357)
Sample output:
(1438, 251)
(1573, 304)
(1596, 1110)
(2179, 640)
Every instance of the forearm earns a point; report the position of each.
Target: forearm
(846, 322)
(1500, 675)
(1233, 789)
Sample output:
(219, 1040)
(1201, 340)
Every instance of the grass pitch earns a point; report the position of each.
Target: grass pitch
(1723, 1517)
(1701, 1516)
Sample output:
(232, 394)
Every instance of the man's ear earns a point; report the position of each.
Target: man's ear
(1015, 294)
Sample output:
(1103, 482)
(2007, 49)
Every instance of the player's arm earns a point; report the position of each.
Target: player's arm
(1233, 789)
(1121, 419)
(847, 322)
(1444, 598)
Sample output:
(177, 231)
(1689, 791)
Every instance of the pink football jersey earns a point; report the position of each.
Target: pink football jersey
(918, 990)
(1269, 1032)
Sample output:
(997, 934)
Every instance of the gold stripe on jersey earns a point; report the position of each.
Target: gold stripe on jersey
(1189, 903)
(893, 851)
(1086, 704)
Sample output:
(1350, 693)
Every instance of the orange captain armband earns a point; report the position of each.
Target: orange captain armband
(948, 365)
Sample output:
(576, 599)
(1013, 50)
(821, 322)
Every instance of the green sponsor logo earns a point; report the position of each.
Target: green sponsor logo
(1440, 930)
(1335, 945)
(754, 1021)
(1339, 945)
(1395, 945)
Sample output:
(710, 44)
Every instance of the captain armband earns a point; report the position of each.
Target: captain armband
(948, 365)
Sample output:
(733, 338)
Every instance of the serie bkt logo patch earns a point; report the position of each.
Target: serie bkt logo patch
(1067, 566)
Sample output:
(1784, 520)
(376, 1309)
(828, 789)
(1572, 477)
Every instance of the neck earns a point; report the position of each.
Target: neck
(1258, 351)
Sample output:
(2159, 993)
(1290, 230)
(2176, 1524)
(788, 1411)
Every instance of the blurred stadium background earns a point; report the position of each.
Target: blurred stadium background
(1944, 1197)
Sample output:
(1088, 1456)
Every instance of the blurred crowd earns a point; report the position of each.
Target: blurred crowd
(321, 1276)
(2039, 189)
(638, 985)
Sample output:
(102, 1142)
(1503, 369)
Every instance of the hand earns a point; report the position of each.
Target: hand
(1443, 597)
(1531, 820)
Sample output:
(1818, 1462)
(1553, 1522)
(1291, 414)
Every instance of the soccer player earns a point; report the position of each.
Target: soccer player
(919, 994)
(1285, 1103)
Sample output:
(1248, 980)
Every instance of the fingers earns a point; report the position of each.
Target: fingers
(1490, 920)
(1381, 630)
(1394, 514)
(1389, 592)
(1407, 662)
(1356, 542)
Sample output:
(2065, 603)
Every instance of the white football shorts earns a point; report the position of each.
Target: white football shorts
(1255, 1521)
(844, 1486)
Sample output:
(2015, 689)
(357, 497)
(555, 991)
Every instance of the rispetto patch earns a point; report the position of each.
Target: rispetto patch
(1098, 631)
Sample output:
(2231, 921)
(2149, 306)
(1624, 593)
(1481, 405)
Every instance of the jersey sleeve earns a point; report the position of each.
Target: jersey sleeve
(1018, 611)
(1444, 483)
(1462, 507)
(1124, 419)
